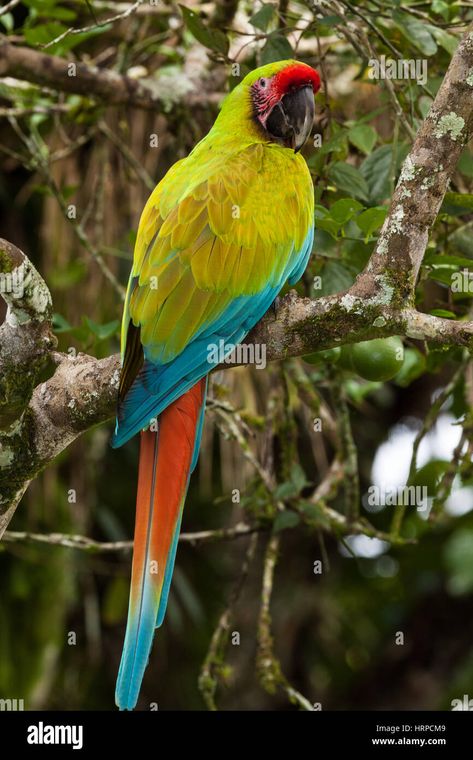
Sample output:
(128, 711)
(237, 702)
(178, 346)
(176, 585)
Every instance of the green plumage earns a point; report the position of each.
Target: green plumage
(210, 232)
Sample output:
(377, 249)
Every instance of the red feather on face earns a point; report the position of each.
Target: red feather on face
(293, 77)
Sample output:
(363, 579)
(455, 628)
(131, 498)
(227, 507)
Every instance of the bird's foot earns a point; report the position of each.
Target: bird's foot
(275, 306)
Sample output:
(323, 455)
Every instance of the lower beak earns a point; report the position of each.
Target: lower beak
(291, 119)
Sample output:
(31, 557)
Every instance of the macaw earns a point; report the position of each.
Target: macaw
(218, 238)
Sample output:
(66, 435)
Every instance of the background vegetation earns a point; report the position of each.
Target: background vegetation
(75, 174)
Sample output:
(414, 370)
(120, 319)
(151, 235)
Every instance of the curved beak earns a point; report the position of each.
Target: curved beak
(291, 119)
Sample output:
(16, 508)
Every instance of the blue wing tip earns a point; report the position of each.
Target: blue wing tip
(125, 704)
(128, 687)
(121, 436)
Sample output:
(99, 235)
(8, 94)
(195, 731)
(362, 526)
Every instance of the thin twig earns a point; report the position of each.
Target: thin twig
(20, 111)
(213, 665)
(316, 404)
(429, 421)
(85, 544)
(233, 431)
(348, 453)
(99, 24)
(140, 171)
(269, 667)
(373, 27)
(9, 6)
(445, 486)
(61, 153)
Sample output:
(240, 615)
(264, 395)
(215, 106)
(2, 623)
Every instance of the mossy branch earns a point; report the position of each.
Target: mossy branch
(106, 86)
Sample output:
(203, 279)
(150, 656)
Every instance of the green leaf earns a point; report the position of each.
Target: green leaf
(7, 21)
(60, 324)
(40, 6)
(371, 219)
(348, 179)
(329, 21)
(376, 171)
(102, 331)
(285, 491)
(277, 48)
(333, 219)
(344, 210)
(335, 278)
(214, 39)
(465, 163)
(445, 269)
(444, 39)
(440, 7)
(430, 474)
(424, 104)
(336, 144)
(363, 137)
(443, 276)
(418, 33)
(457, 203)
(38, 118)
(323, 221)
(462, 239)
(314, 512)
(262, 17)
(73, 41)
(459, 561)
(298, 476)
(61, 13)
(445, 313)
(43, 33)
(285, 520)
(444, 261)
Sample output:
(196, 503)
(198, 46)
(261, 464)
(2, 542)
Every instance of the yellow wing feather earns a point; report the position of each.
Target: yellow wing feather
(209, 234)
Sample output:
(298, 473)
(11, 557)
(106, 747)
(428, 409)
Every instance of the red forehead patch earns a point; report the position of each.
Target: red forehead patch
(295, 76)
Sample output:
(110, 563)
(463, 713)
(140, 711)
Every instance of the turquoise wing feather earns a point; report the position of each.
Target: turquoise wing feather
(210, 258)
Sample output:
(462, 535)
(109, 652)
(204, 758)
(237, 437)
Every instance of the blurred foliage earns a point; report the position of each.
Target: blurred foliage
(75, 176)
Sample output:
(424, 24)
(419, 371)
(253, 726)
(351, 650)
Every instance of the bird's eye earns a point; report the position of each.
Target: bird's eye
(262, 82)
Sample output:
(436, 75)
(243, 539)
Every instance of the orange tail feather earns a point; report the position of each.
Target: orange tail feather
(166, 459)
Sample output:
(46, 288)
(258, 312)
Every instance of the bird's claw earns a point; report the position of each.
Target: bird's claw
(275, 306)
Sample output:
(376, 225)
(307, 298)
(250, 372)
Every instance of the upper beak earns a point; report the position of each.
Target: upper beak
(292, 118)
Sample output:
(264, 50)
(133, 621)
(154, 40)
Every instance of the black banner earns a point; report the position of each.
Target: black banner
(86, 733)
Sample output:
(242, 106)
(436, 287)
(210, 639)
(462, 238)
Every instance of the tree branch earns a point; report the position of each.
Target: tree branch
(105, 85)
(25, 335)
(82, 392)
(86, 544)
(269, 668)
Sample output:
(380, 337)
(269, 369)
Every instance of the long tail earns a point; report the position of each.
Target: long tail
(167, 458)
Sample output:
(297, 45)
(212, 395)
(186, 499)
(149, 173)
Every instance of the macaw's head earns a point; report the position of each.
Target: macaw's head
(282, 101)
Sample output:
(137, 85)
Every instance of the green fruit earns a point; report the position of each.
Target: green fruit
(329, 355)
(378, 359)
